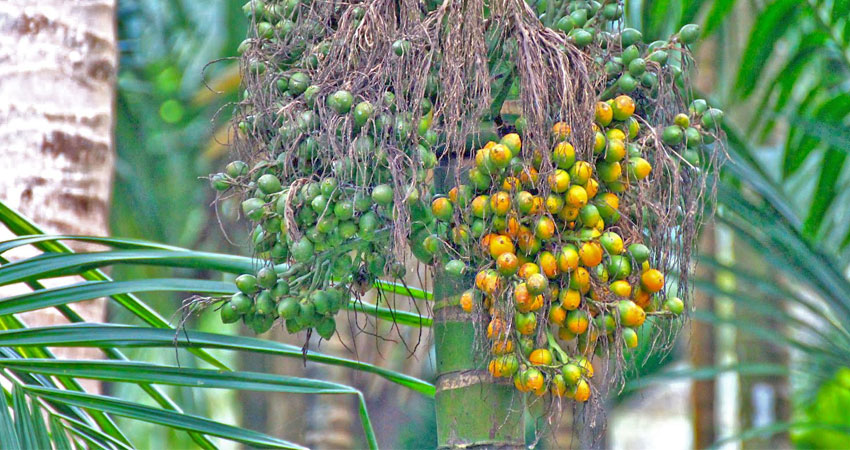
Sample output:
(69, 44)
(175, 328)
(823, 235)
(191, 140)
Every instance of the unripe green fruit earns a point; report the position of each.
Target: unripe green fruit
(311, 94)
(630, 36)
(675, 305)
(247, 283)
(266, 277)
(639, 252)
(693, 138)
(298, 83)
(265, 304)
(288, 308)
(302, 250)
(455, 268)
(627, 83)
(712, 118)
(235, 169)
(630, 53)
(269, 184)
(401, 47)
(637, 67)
(565, 24)
(698, 106)
(219, 182)
(340, 101)
(672, 135)
(383, 194)
(689, 33)
(326, 328)
(229, 313)
(582, 37)
(362, 113)
(241, 303)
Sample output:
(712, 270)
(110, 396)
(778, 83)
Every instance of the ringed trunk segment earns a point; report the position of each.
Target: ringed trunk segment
(473, 409)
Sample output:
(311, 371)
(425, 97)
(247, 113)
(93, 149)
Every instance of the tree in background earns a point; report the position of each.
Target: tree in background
(56, 139)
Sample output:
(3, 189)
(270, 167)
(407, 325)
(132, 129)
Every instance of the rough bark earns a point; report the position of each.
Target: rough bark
(58, 62)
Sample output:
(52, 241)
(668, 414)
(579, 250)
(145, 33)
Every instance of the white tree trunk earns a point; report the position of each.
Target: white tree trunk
(58, 61)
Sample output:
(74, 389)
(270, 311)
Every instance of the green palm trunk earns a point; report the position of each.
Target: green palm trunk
(472, 410)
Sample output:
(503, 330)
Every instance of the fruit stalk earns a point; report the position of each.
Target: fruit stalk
(473, 409)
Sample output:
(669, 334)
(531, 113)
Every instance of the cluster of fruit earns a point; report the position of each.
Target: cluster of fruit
(547, 251)
(556, 236)
(322, 203)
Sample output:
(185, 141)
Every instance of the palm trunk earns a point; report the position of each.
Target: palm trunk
(473, 410)
(57, 85)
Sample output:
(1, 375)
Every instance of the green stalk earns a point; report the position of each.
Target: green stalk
(473, 410)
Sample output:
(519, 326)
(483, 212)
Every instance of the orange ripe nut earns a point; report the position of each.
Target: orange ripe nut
(548, 264)
(559, 181)
(557, 314)
(500, 203)
(510, 184)
(502, 346)
(521, 294)
(442, 209)
(492, 283)
(581, 392)
(561, 131)
(621, 288)
(604, 114)
(592, 188)
(507, 264)
(540, 357)
(652, 280)
(536, 205)
(467, 300)
(576, 197)
(503, 366)
(479, 279)
(615, 134)
(537, 284)
(631, 315)
(500, 244)
(642, 298)
(528, 269)
(577, 321)
(529, 177)
(570, 299)
(623, 107)
(526, 323)
(534, 304)
(591, 254)
(485, 242)
(496, 329)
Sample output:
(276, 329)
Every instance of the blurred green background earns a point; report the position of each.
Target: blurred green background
(773, 297)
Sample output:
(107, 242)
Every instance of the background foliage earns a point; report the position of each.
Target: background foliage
(779, 68)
